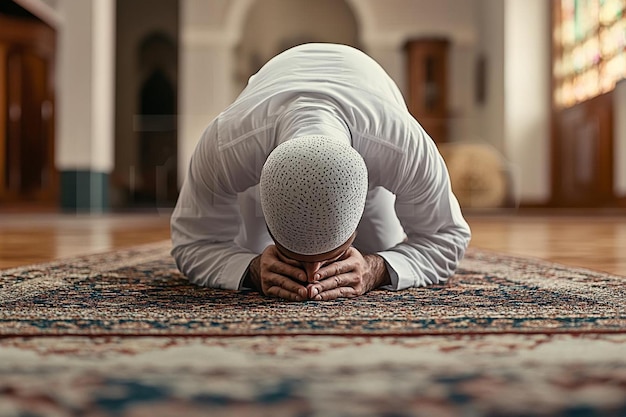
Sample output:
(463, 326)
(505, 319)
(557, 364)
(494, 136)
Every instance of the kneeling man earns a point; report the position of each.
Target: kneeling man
(316, 184)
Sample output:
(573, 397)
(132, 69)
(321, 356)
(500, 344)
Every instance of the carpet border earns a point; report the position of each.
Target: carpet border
(321, 334)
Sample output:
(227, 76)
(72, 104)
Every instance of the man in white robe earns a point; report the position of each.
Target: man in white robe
(411, 231)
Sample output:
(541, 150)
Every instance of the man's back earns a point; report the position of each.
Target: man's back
(337, 80)
(322, 68)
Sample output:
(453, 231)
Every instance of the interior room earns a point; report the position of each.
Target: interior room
(102, 103)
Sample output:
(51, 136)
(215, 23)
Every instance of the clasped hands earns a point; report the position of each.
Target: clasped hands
(350, 275)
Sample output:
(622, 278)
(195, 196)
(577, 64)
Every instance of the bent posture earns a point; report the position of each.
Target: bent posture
(317, 183)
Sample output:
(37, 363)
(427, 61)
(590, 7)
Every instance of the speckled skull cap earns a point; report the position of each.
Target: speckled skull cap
(313, 191)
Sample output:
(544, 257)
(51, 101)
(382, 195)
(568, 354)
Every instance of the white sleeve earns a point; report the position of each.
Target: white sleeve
(206, 221)
(437, 233)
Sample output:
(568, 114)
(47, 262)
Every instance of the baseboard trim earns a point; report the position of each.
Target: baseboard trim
(84, 191)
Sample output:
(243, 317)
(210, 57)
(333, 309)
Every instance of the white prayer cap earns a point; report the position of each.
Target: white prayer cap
(313, 191)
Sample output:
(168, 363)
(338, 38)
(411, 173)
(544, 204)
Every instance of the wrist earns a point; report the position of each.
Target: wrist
(378, 271)
(254, 274)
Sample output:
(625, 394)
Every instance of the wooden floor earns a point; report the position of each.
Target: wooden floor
(595, 242)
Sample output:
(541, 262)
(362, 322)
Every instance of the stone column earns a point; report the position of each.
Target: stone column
(85, 113)
(206, 84)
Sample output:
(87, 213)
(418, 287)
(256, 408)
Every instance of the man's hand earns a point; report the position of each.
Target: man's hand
(274, 276)
(350, 276)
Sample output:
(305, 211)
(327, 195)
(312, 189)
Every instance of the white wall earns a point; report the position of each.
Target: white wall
(399, 18)
(211, 30)
(514, 38)
(103, 85)
(272, 26)
(490, 114)
(206, 68)
(73, 138)
(84, 137)
(527, 72)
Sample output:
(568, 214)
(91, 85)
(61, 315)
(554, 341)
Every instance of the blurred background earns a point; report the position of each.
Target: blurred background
(103, 101)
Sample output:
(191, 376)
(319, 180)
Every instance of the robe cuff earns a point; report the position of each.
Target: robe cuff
(235, 271)
(399, 271)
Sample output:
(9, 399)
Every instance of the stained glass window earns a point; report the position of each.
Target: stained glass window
(589, 48)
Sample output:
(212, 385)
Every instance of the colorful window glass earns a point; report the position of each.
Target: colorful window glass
(589, 48)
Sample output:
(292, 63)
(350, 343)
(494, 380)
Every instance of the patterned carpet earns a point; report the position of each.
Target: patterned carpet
(124, 333)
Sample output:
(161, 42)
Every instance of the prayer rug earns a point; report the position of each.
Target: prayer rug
(124, 334)
(140, 292)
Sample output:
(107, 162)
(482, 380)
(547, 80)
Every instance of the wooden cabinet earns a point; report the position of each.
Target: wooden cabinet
(27, 170)
(588, 59)
(583, 154)
(427, 65)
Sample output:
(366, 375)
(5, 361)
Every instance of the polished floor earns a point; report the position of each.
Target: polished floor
(593, 241)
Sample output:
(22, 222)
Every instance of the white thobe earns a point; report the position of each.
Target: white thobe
(411, 217)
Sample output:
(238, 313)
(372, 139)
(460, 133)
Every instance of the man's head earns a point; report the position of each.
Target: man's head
(313, 191)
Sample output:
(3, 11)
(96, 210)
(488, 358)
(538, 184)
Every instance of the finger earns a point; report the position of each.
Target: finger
(288, 271)
(285, 283)
(336, 281)
(335, 268)
(280, 292)
(341, 292)
(275, 280)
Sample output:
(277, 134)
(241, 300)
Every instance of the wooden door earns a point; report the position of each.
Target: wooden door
(583, 154)
(427, 61)
(26, 113)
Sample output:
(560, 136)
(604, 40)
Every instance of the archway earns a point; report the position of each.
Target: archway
(146, 103)
(157, 102)
(272, 26)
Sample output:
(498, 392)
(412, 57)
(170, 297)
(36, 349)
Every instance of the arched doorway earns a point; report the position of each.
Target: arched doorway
(272, 26)
(146, 104)
(156, 121)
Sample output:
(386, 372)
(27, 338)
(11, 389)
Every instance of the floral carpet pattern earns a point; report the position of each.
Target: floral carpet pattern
(124, 334)
(140, 292)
